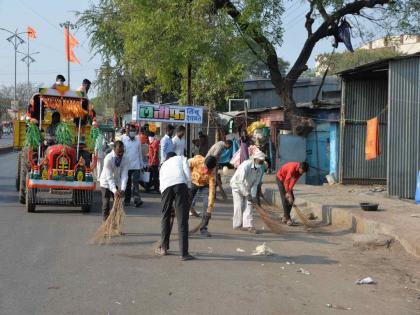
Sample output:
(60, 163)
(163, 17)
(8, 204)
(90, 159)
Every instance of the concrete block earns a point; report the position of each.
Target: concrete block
(368, 241)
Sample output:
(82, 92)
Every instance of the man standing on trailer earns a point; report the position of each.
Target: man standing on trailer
(113, 180)
(133, 153)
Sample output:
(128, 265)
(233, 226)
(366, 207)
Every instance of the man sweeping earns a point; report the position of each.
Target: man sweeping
(203, 173)
(113, 180)
(286, 178)
(244, 185)
(175, 180)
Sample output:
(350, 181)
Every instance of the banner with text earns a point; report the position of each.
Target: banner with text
(168, 113)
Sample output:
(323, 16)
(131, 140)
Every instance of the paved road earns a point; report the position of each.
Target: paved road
(47, 267)
(6, 140)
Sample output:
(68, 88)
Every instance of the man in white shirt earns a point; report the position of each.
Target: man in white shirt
(132, 147)
(113, 179)
(166, 144)
(244, 185)
(179, 141)
(175, 180)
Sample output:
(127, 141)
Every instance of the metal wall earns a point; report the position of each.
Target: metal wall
(404, 127)
(262, 93)
(362, 100)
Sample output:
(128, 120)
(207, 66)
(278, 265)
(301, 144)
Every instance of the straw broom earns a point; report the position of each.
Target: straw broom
(299, 213)
(112, 225)
(302, 217)
(272, 223)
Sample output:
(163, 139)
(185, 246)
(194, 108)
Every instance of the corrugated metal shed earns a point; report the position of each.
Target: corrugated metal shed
(363, 100)
(404, 127)
(262, 93)
(367, 89)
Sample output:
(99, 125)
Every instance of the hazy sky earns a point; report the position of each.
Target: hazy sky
(46, 15)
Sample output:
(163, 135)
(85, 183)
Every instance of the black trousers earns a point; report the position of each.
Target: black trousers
(287, 207)
(106, 202)
(178, 194)
(133, 188)
(154, 178)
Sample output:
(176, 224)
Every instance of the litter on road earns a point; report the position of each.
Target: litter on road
(262, 250)
(305, 272)
(367, 280)
(240, 250)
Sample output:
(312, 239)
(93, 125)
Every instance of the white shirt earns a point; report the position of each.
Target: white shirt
(133, 153)
(175, 171)
(113, 176)
(166, 146)
(179, 145)
(246, 178)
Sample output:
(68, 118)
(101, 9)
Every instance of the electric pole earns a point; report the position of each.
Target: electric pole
(15, 40)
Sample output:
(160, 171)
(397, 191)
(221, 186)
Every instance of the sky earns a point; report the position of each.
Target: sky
(45, 17)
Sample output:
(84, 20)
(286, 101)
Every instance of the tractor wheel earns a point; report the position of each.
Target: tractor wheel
(86, 208)
(17, 182)
(24, 170)
(30, 200)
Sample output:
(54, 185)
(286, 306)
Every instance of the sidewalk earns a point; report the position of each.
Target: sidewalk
(339, 205)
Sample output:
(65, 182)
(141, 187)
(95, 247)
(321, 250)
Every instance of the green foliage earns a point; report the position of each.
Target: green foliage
(63, 134)
(94, 134)
(33, 137)
(346, 60)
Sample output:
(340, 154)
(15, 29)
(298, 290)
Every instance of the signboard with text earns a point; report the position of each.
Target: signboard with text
(168, 113)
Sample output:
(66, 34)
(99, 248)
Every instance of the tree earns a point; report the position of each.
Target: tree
(323, 20)
(23, 94)
(178, 54)
(341, 61)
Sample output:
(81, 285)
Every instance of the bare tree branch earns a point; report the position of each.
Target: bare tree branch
(309, 19)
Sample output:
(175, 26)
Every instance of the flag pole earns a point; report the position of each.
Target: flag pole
(68, 54)
(28, 60)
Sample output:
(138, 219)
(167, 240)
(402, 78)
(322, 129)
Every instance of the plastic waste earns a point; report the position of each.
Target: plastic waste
(367, 280)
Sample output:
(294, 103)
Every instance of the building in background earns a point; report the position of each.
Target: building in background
(405, 44)
(387, 89)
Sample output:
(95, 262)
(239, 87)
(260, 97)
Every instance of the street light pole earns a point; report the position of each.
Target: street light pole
(28, 60)
(15, 40)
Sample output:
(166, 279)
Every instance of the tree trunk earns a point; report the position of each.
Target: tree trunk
(300, 125)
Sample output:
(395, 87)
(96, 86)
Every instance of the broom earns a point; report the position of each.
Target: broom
(302, 217)
(112, 225)
(299, 213)
(272, 223)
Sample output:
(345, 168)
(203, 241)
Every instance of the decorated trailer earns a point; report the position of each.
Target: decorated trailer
(58, 173)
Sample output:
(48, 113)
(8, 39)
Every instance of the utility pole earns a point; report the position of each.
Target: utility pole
(15, 40)
(67, 25)
(28, 60)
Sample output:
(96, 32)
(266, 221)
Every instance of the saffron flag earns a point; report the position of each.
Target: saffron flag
(70, 43)
(372, 139)
(31, 32)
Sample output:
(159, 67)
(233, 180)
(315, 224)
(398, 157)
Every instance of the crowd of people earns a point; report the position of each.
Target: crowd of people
(180, 181)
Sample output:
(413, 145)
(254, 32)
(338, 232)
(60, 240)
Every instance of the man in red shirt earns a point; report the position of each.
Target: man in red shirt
(153, 162)
(286, 178)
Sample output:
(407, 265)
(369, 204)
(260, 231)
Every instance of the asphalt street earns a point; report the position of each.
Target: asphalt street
(48, 267)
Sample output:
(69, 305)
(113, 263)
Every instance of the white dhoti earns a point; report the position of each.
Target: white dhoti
(242, 211)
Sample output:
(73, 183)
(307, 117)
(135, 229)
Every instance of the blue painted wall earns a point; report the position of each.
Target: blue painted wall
(318, 154)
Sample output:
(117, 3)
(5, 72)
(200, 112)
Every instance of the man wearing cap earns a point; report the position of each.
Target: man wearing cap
(286, 178)
(244, 185)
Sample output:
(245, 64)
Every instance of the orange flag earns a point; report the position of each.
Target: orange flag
(70, 43)
(372, 139)
(31, 32)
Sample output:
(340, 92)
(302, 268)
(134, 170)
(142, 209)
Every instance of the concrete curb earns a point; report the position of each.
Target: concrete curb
(6, 149)
(351, 219)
